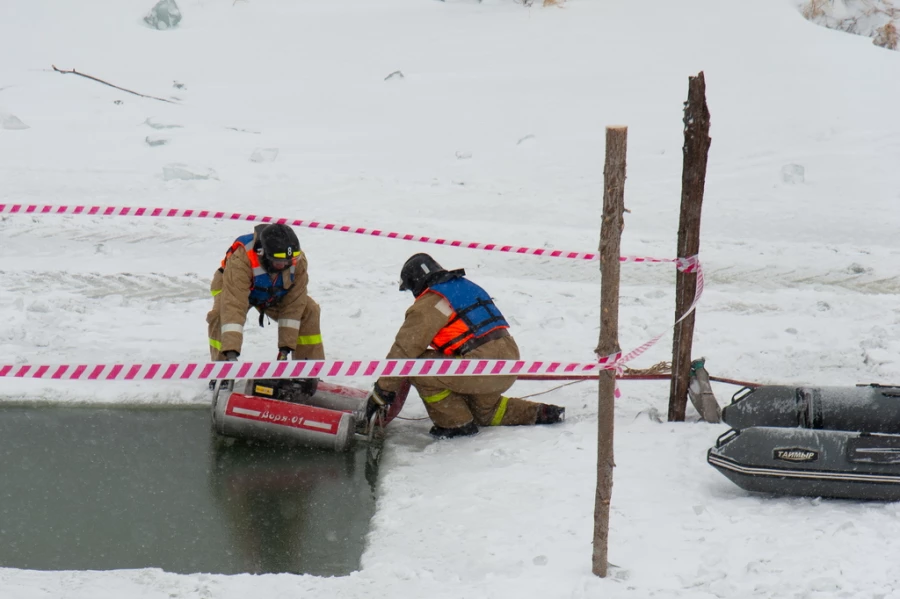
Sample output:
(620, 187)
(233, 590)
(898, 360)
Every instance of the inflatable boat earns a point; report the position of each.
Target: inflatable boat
(864, 408)
(812, 463)
(813, 441)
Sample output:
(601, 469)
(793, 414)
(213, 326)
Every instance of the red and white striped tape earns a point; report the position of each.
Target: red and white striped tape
(317, 368)
(685, 264)
(620, 363)
(297, 369)
(329, 368)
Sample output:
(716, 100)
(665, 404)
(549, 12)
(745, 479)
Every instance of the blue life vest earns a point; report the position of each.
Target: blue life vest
(263, 291)
(474, 316)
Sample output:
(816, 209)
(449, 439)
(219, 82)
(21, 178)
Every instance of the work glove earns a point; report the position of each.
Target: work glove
(378, 398)
(231, 355)
(284, 353)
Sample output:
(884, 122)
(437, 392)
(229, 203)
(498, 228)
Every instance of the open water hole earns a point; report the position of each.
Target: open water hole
(88, 488)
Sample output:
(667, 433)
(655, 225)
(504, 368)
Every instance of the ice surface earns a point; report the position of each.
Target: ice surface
(466, 519)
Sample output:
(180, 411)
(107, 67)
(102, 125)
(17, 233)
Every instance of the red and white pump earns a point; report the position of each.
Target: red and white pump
(282, 411)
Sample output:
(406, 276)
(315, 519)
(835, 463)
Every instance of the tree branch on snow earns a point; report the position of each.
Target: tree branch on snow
(74, 72)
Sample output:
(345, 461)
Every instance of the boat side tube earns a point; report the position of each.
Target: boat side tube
(869, 408)
(771, 405)
(866, 409)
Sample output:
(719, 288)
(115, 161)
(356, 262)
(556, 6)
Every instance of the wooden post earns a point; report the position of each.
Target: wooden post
(610, 244)
(693, 179)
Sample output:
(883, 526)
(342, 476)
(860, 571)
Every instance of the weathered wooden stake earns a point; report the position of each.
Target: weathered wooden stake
(693, 179)
(610, 244)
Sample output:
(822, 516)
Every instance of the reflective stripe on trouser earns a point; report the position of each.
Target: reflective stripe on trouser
(307, 339)
(308, 336)
(455, 401)
(214, 322)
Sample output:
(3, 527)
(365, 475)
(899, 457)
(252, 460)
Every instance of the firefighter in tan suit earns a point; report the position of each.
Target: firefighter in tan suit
(266, 270)
(457, 319)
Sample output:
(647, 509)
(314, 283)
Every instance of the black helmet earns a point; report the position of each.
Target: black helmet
(278, 246)
(422, 271)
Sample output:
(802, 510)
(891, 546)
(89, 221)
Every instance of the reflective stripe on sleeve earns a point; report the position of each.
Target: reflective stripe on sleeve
(232, 328)
(309, 340)
(215, 292)
(289, 323)
(500, 412)
(436, 397)
(215, 344)
(444, 307)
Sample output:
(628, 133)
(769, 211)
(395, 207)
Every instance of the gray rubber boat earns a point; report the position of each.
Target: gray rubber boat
(863, 408)
(810, 462)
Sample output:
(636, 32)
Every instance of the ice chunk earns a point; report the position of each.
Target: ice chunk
(155, 124)
(165, 15)
(239, 130)
(156, 140)
(264, 155)
(11, 122)
(183, 172)
(792, 173)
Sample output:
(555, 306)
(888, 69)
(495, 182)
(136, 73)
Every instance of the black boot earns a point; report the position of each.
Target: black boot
(550, 414)
(439, 432)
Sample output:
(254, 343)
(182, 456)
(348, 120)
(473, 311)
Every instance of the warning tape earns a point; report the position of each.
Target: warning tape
(298, 369)
(329, 368)
(684, 264)
(645, 346)
(315, 368)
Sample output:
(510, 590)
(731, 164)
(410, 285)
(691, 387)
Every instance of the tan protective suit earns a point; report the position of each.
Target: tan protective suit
(455, 401)
(297, 314)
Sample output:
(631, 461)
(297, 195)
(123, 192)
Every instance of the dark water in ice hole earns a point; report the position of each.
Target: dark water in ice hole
(87, 488)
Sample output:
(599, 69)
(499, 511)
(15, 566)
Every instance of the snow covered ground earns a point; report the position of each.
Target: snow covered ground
(495, 133)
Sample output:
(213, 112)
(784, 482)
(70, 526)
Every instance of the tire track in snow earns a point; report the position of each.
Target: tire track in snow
(771, 273)
(854, 277)
(99, 230)
(153, 287)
